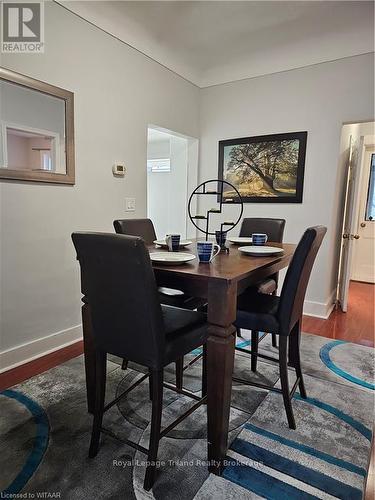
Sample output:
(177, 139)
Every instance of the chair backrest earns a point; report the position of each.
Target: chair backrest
(297, 278)
(122, 294)
(143, 228)
(274, 228)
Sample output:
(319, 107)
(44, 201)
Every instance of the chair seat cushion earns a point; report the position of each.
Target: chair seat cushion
(171, 292)
(257, 311)
(178, 298)
(184, 331)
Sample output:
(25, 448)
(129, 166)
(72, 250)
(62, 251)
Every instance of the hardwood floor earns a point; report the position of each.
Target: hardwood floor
(40, 365)
(357, 325)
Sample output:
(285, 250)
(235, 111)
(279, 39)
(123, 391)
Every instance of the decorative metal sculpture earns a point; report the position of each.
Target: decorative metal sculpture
(202, 190)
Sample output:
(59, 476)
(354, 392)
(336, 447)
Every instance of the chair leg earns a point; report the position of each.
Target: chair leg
(273, 335)
(202, 308)
(239, 334)
(283, 366)
(100, 379)
(204, 371)
(150, 383)
(179, 373)
(254, 349)
(295, 357)
(157, 405)
(124, 365)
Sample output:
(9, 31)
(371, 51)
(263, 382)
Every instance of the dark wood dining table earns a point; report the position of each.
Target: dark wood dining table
(220, 282)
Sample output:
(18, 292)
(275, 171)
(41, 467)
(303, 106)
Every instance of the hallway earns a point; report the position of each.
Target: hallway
(357, 325)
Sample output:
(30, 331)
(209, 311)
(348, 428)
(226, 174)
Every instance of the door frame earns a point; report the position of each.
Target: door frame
(346, 247)
(349, 217)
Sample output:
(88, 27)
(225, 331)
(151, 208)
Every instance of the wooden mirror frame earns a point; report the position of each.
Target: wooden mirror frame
(68, 98)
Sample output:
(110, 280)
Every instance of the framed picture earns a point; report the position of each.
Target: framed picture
(264, 169)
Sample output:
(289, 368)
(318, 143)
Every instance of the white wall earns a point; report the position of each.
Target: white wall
(157, 149)
(158, 186)
(317, 99)
(18, 151)
(118, 92)
(22, 106)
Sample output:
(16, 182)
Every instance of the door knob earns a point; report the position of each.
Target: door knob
(356, 236)
(345, 236)
(363, 224)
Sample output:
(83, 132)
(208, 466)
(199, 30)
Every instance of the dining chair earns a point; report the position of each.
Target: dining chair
(144, 228)
(128, 321)
(282, 316)
(274, 228)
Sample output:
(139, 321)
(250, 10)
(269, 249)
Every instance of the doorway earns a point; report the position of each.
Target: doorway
(363, 268)
(172, 173)
(357, 244)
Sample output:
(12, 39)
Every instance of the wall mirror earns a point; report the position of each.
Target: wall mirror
(36, 130)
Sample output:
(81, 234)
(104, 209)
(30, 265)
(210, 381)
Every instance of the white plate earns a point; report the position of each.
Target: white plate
(261, 250)
(240, 240)
(171, 258)
(162, 243)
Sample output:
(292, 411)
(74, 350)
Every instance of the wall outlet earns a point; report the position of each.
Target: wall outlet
(129, 204)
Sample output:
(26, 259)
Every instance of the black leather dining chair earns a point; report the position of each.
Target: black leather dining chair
(128, 321)
(144, 228)
(274, 228)
(283, 316)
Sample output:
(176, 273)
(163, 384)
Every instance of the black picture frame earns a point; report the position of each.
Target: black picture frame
(292, 194)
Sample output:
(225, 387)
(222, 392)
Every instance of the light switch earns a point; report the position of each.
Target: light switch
(129, 204)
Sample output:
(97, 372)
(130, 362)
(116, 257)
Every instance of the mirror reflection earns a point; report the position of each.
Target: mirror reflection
(32, 130)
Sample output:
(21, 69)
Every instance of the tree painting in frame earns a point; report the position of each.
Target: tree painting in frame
(264, 169)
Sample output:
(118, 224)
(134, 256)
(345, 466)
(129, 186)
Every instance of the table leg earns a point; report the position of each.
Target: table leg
(222, 301)
(89, 354)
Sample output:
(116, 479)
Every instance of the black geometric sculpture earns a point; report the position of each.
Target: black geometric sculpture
(202, 190)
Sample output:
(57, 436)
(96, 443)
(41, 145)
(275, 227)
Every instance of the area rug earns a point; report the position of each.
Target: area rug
(45, 433)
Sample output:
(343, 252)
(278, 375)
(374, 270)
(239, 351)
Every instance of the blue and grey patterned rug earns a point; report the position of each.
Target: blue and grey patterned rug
(45, 429)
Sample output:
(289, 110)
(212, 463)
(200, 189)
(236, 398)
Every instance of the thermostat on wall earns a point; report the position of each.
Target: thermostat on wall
(119, 169)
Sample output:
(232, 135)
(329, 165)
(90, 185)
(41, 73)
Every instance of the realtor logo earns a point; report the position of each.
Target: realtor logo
(22, 27)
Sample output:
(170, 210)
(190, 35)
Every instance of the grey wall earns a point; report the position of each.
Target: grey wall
(317, 99)
(118, 92)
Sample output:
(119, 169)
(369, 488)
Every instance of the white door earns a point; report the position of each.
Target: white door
(363, 267)
(349, 223)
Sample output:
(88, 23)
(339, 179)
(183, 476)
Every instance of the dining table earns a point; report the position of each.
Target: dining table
(219, 283)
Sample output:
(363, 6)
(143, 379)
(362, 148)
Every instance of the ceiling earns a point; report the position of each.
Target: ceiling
(155, 135)
(214, 42)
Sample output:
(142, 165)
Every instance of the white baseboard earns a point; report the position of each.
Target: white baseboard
(363, 279)
(24, 353)
(11, 358)
(320, 309)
